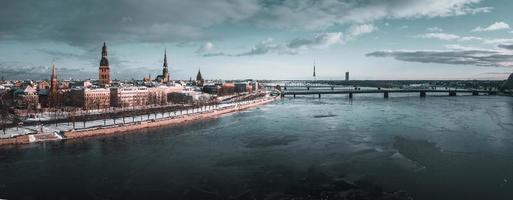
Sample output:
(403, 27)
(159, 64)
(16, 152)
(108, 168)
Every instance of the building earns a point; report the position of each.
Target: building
(91, 98)
(228, 88)
(256, 86)
(157, 95)
(104, 71)
(84, 84)
(199, 79)
(43, 85)
(129, 96)
(26, 97)
(211, 89)
(243, 87)
(179, 98)
(347, 76)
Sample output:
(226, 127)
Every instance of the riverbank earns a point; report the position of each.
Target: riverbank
(134, 126)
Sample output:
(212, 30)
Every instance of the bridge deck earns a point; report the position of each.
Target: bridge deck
(308, 92)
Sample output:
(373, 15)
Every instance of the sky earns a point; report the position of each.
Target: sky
(259, 39)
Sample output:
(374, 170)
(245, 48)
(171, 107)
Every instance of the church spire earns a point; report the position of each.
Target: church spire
(165, 70)
(165, 58)
(199, 78)
(53, 80)
(104, 50)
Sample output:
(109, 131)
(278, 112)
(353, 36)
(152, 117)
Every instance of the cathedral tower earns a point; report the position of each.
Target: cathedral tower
(104, 75)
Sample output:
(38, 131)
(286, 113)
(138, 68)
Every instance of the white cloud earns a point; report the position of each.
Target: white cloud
(128, 21)
(295, 46)
(205, 48)
(315, 14)
(497, 40)
(449, 37)
(493, 27)
(462, 56)
(356, 30)
(440, 36)
(434, 29)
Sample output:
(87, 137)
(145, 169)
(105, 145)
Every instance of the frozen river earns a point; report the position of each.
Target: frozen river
(303, 148)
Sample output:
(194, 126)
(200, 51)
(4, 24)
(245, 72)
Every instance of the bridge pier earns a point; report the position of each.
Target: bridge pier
(475, 93)
(350, 95)
(319, 95)
(385, 95)
(452, 93)
(422, 94)
(307, 88)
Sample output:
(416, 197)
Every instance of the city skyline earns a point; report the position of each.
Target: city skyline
(452, 39)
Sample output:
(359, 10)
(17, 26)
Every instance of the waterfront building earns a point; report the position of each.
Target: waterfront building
(128, 96)
(179, 98)
(243, 87)
(26, 97)
(91, 98)
(347, 76)
(157, 95)
(211, 89)
(228, 88)
(104, 71)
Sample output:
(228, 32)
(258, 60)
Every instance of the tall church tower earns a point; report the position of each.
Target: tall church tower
(104, 75)
(53, 81)
(199, 79)
(165, 71)
(53, 100)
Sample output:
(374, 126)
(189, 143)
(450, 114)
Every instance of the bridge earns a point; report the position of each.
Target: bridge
(385, 92)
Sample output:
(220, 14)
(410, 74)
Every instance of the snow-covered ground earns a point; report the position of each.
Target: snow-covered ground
(66, 126)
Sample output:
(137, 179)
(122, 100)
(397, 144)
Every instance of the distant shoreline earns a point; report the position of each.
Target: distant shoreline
(135, 126)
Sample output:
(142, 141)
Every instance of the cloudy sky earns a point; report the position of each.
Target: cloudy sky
(261, 39)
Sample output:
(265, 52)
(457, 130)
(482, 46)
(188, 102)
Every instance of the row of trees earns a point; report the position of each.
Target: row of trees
(59, 113)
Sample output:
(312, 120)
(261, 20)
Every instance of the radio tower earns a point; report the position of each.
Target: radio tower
(315, 78)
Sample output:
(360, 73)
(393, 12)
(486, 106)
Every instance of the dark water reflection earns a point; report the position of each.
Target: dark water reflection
(304, 148)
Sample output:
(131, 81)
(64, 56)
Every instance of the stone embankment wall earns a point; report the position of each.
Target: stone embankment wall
(125, 128)
(23, 139)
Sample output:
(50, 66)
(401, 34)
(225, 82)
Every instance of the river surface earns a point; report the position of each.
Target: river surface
(304, 148)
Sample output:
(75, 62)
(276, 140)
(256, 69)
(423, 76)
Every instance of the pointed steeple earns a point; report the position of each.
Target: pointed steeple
(165, 70)
(165, 58)
(53, 80)
(104, 50)
(54, 75)
(104, 60)
(199, 77)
